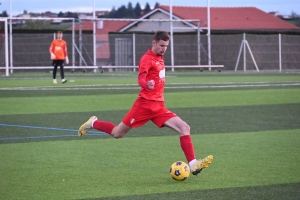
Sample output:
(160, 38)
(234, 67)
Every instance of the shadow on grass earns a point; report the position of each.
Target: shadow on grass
(280, 191)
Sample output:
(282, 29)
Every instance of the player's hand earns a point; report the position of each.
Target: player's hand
(52, 56)
(67, 60)
(150, 84)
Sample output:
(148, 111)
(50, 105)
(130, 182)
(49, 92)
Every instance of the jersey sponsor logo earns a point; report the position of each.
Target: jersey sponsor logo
(162, 73)
(58, 48)
(132, 121)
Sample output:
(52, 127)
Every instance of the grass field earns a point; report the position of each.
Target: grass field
(249, 122)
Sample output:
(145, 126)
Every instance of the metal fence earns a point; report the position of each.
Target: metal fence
(269, 52)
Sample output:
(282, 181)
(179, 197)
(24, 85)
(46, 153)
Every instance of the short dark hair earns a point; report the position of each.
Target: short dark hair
(59, 32)
(161, 35)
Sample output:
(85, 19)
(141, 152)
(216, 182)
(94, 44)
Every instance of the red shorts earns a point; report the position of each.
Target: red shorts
(144, 110)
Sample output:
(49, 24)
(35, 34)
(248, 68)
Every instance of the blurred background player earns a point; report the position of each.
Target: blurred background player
(58, 51)
(149, 106)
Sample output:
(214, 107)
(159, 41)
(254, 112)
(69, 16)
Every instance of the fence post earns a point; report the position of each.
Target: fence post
(280, 64)
(133, 53)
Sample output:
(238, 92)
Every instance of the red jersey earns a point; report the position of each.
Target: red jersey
(154, 66)
(59, 48)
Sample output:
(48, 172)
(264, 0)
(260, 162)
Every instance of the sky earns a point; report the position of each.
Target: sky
(285, 7)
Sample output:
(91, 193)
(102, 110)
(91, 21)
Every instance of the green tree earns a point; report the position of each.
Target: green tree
(121, 12)
(137, 9)
(4, 14)
(130, 12)
(60, 14)
(294, 15)
(112, 13)
(296, 18)
(147, 8)
(156, 4)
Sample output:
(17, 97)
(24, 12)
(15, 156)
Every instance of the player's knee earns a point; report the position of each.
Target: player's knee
(117, 135)
(185, 129)
(119, 131)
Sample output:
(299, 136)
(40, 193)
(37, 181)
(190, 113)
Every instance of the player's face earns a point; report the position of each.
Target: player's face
(160, 47)
(59, 36)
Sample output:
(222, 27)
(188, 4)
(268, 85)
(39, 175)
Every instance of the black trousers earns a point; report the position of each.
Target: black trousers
(61, 64)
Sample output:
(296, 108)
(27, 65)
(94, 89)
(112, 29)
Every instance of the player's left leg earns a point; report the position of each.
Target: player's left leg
(62, 72)
(54, 63)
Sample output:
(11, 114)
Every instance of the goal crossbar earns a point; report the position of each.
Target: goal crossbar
(142, 20)
(65, 67)
(37, 18)
(116, 67)
(175, 66)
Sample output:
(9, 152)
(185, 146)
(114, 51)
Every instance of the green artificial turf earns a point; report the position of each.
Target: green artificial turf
(249, 122)
(139, 166)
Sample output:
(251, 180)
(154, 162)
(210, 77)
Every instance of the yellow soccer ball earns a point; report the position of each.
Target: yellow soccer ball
(179, 171)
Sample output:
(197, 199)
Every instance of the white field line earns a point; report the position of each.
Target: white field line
(174, 86)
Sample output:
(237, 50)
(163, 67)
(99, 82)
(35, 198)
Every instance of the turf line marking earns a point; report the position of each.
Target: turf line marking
(93, 133)
(41, 137)
(169, 86)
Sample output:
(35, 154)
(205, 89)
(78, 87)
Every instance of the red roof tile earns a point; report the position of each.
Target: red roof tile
(234, 18)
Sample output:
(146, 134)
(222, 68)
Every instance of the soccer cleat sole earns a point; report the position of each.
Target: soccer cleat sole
(83, 130)
(204, 163)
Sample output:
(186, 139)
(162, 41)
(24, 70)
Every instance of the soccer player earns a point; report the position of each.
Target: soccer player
(149, 105)
(58, 52)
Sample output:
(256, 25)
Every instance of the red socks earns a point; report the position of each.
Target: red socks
(185, 141)
(104, 126)
(187, 147)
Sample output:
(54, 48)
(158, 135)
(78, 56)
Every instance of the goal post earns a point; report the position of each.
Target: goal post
(4, 62)
(30, 49)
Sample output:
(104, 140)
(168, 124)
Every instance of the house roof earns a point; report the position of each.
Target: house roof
(233, 18)
(221, 18)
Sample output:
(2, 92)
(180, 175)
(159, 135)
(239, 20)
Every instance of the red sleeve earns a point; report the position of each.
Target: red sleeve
(145, 64)
(142, 80)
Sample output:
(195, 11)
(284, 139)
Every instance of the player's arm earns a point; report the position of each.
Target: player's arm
(145, 64)
(143, 83)
(66, 54)
(142, 80)
(52, 55)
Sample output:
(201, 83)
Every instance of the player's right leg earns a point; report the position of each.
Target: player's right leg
(201, 164)
(54, 71)
(187, 145)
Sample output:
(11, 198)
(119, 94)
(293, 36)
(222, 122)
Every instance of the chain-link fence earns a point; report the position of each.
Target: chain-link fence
(119, 49)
